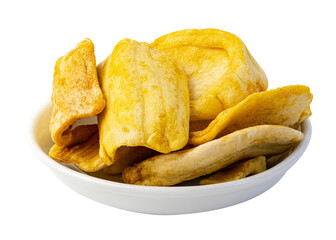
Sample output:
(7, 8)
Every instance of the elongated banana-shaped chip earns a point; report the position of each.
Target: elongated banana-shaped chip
(147, 100)
(286, 106)
(221, 71)
(76, 92)
(239, 171)
(85, 151)
(176, 167)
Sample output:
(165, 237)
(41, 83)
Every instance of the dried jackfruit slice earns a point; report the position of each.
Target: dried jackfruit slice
(173, 168)
(221, 71)
(286, 106)
(241, 170)
(76, 92)
(85, 151)
(147, 100)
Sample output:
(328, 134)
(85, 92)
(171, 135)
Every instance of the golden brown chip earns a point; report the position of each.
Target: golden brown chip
(147, 101)
(76, 92)
(176, 167)
(84, 155)
(221, 71)
(285, 106)
(241, 170)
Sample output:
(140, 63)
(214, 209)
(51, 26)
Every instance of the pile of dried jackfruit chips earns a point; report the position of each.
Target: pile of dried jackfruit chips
(193, 103)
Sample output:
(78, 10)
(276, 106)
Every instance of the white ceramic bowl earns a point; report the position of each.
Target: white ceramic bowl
(159, 200)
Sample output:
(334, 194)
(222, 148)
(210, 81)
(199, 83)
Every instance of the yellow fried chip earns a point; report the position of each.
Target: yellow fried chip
(239, 171)
(76, 92)
(286, 106)
(173, 168)
(221, 71)
(147, 100)
(84, 154)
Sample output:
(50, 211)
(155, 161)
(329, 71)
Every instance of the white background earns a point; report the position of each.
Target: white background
(293, 41)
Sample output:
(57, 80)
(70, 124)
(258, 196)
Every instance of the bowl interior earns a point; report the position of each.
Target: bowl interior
(42, 140)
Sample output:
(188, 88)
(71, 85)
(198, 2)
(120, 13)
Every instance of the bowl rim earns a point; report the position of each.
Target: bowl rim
(280, 168)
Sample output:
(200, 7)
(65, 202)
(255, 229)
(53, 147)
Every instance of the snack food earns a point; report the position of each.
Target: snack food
(83, 154)
(286, 106)
(173, 168)
(150, 98)
(147, 101)
(221, 71)
(76, 92)
(239, 171)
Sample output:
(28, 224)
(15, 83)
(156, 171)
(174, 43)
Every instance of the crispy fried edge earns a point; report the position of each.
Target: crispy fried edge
(224, 124)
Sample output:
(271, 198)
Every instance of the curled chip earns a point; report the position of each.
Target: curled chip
(286, 106)
(221, 71)
(239, 171)
(76, 92)
(84, 153)
(147, 101)
(173, 168)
